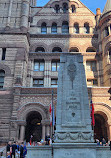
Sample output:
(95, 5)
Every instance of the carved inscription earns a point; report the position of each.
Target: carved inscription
(71, 71)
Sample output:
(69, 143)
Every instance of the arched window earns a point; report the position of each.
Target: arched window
(106, 31)
(57, 8)
(2, 75)
(40, 49)
(65, 27)
(56, 49)
(43, 28)
(90, 49)
(109, 55)
(86, 28)
(73, 8)
(76, 28)
(54, 28)
(74, 49)
(65, 7)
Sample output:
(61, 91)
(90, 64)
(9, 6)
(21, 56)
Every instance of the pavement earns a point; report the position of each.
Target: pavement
(3, 150)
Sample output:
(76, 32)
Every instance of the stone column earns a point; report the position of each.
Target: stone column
(110, 132)
(25, 14)
(22, 132)
(9, 14)
(48, 130)
(81, 31)
(43, 132)
(47, 72)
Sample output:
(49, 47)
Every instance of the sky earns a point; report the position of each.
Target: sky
(91, 4)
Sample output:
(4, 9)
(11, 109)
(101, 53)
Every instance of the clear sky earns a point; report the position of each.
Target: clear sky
(91, 4)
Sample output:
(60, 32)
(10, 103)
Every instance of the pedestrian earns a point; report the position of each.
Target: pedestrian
(103, 142)
(8, 148)
(8, 155)
(24, 151)
(21, 150)
(14, 147)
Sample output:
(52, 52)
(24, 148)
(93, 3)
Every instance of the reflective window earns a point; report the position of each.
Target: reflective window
(2, 75)
(54, 82)
(73, 8)
(65, 27)
(55, 65)
(74, 50)
(65, 7)
(57, 8)
(38, 83)
(44, 28)
(40, 49)
(86, 28)
(76, 28)
(90, 49)
(3, 53)
(54, 28)
(91, 66)
(56, 49)
(39, 66)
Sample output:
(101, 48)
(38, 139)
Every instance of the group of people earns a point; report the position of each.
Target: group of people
(16, 150)
(103, 143)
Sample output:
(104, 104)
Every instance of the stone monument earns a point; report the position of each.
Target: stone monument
(73, 135)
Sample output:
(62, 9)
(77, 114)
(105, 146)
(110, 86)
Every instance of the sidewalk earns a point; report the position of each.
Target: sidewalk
(2, 151)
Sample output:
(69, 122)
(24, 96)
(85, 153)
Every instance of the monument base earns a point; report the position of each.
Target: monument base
(74, 150)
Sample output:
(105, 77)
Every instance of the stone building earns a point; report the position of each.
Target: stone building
(31, 41)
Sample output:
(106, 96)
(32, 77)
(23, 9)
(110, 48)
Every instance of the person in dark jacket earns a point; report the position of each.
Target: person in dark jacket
(14, 147)
(21, 150)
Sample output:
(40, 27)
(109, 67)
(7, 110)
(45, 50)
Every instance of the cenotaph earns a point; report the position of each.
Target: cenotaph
(73, 135)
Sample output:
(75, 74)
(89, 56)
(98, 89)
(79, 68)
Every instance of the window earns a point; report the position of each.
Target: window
(76, 28)
(65, 27)
(39, 66)
(106, 31)
(54, 28)
(73, 8)
(86, 28)
(40, 49)
(74, 50)
(38, 83)
(90, 49)
(55, 65)
(54, 83)
(56, 49)
(91, 66)
(3, 53)
(44, 28)
(65, 7)
(92, 82)
(57, 8)
(2, 75)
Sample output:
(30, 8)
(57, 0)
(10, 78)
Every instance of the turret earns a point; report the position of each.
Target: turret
(33, 2)
(98, 14)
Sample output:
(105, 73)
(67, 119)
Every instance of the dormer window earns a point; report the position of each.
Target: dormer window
(65, 7)
(73, 8)
(57, 8)
(44, 28)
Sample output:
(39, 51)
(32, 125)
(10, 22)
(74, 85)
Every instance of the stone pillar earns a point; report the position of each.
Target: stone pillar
(43, 132)
(25, 14)
(110, 132)
(48, 130)
(109, 30)
(48, 30)
(81, 31)
(47, 72)
(22, 132)
(9, 14)
(59, 30)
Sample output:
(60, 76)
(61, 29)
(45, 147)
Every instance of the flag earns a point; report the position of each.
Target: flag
(92, 113)
(31, 139)
(51, 111)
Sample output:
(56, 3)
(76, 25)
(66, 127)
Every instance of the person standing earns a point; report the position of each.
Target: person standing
(24, 151)
(14, 147)
(21, 150)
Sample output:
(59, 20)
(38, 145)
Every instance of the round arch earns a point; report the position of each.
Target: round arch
(27, 108)
(6, 69)
(36, 45)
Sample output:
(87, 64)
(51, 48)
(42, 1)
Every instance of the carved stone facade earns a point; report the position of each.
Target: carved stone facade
(31, 41)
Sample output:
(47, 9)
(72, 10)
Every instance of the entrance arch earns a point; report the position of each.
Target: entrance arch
(101, 127)
(33, 126)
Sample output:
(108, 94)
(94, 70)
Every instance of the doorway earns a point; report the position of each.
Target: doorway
(100, 129)
(33, 126)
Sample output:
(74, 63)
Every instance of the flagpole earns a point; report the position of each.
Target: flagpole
(52, 116)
